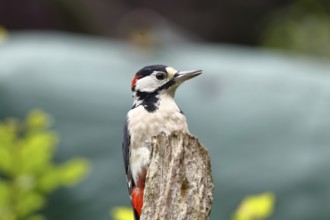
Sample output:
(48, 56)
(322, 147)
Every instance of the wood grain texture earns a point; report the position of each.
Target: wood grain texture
(179, 181)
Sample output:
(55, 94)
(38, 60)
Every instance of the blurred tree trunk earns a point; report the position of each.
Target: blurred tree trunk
(179, 182)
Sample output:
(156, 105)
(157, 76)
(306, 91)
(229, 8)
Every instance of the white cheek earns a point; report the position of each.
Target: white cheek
(148, 84)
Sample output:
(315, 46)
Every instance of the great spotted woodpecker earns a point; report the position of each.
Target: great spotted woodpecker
(154, 110)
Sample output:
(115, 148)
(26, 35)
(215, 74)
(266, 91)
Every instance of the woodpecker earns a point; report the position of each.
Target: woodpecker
(154, 110)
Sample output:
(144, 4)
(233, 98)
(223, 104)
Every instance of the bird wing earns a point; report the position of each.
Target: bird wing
(126, 155)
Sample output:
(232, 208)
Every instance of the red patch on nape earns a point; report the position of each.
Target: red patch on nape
(133, 83)
(136, 77)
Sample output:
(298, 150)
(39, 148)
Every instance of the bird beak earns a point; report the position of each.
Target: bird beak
(182, 76)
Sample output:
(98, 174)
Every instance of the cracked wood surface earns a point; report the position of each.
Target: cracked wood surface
(179, 181)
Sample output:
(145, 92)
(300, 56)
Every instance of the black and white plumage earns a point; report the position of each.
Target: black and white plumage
(154, 110)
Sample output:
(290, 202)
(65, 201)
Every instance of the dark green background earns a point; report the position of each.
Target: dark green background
(264, 116)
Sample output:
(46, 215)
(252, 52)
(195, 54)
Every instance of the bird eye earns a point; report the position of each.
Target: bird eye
(160, 76)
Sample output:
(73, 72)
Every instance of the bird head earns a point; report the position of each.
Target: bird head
(158, 79)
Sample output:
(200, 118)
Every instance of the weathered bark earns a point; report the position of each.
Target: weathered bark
(179, 183)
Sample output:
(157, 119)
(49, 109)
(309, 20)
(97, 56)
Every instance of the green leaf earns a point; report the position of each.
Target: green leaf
(38, 119)
(27, 169)
(122, 213)
(29, 203)
(255, 207)
(49, 181)
(73, 171)
(6, 160)
(36, 217)
(40, 147)
(4, 194)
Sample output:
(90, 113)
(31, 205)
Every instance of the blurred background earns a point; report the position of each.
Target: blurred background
(261, 107)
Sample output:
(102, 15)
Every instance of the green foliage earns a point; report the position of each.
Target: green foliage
(253, 207)
(3, 34)
(303, 27)
(122, 213)
(27, 173)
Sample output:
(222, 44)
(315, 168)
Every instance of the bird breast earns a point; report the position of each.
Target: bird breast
(143, 124)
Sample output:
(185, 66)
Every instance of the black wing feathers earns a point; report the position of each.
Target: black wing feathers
(126, 156)
(125, 146)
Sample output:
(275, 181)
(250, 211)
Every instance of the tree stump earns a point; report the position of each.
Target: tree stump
(179, 183)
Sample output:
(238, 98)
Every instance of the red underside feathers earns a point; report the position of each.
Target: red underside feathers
(137, 192)
(137, 199)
